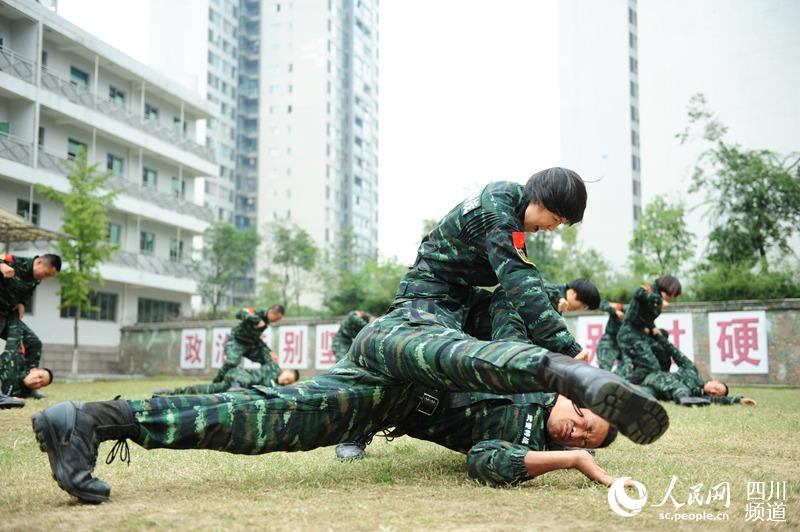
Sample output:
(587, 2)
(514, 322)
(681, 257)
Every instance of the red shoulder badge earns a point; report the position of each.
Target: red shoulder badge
(518, 239)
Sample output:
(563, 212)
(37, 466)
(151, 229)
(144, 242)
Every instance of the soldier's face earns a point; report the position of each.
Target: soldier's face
(36, 378)
(714, 388)
(573, 303)
(42, 271)
(538, 218)
(286, 377)
(575, 427)
(274, 316)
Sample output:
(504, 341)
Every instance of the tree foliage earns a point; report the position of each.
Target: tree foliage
(85, 217)
(752, 197)
(661, 244)
(227, 254)
(292, 256)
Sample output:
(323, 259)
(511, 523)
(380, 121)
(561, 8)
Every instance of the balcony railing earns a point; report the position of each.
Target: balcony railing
(82, 95)
(60, 165)
(15, 149)
(16, 65)
(152, 264)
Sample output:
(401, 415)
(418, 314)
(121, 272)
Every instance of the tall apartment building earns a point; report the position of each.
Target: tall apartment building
(61, 89)
(318, 149)
(599, 64)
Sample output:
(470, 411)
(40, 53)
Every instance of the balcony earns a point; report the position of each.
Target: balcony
(16, 65)
(82, 95)
(151, 264)
(18, 150)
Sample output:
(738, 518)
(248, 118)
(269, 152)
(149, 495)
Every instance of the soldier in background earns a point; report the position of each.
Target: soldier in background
(350, 326)
(20, 374)
(245, 338)
(608, 351)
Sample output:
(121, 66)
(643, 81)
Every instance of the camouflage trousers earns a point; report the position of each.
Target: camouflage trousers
(23, 351)
(608, 352)
(640, 353)
(235, 351)
(343, 405)
(244, 377)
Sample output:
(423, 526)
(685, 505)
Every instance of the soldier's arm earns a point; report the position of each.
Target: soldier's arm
(7, 266)
(522, 282)
(500, 463)
(726, 400)
(553, 294)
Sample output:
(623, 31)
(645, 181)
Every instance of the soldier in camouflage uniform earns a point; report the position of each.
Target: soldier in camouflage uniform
(685, 386)
(351, 325)
(269, 375)
(578, 294)
(607, 348)
(638, 327)
(503, 436)
(20, 374)
(245, 339)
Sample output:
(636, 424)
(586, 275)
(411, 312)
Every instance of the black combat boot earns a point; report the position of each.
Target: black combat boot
(637, 415)
(688, 400)
(6, 401)
(70, 434)
(351, 451)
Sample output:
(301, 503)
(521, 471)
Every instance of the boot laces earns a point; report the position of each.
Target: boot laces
(120, 449)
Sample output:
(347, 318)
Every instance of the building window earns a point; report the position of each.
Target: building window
(637, 213)
(153, 310)
(147, 242)
(175, 250)
(23, 209)
(104, 307)
(73, 146)
(114, 233)
(637, 189)
(634, 89)
(150, 112)
(178, 188)
(632, 40)
(634, 114)
(116, 95)
(634, 138)
(178, 124)
(41, 137)
(635, 163)
(114, 164)
(634, 65)
(78, 77)
(149, 177)
(632, 18)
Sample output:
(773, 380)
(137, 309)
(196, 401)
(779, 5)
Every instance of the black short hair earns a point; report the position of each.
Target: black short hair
(560, 191)
(726, 388)
(278, 308)
(296, 375)
(52, 260)
(669, 284)
(586, 292)
(48, 370)
(610, 437)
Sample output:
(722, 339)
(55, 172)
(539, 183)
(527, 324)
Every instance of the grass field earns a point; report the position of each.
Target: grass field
(404, 484)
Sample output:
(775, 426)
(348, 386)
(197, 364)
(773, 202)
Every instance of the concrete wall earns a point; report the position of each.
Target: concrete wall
(155, 349)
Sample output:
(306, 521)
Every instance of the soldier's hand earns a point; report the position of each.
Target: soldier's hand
(261, 324)
(563, 305)
(620, 314)
(20, 308)
(583, 356)
(8, 271)
(585, 464)
(656, 331)
(748, 401)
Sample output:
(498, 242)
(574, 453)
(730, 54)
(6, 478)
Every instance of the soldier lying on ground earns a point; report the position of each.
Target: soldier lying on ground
(685, 386)
(20, 376)
(239, 378)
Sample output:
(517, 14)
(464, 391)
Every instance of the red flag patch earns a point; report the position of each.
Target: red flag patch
(518, 238)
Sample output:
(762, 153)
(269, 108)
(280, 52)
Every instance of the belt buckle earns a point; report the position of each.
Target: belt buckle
(428, 404)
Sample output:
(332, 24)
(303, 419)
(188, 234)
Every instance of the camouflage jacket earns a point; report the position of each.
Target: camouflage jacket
(555, 292)
(689, 375)
(352, 324)
(15, 362)
(614, 321)
(19, 288)
(644, 308)
(247, 332)
(495, 431)
(481, 242)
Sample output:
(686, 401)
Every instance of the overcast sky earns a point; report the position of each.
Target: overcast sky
(468, 95)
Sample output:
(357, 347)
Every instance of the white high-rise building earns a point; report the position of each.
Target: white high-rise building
(318, 145)
(743, 55)
(61, 89)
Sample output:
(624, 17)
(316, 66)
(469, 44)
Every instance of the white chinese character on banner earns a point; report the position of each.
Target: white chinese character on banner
(219, 337)
(292, 347)
(590, 330)
(738, 342)
(193, 349)
(680, 333)
(325, 333)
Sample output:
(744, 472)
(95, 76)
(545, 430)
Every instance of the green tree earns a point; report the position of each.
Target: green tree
(84, 216)
(752, 197)
(227, 254)
(292, 256)
(661, 244)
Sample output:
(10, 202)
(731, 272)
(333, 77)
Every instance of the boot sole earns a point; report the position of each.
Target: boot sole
(48, 443)
(8, 406)
(642, 419)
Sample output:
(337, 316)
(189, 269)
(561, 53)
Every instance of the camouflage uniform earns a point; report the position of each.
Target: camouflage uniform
(351, 325)
(18, 289)
(17, 360)
(555, 292)
(636, 346)
(607, 348)
(686, 382)
(344, 405)
(266, 375)
(245, 341)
